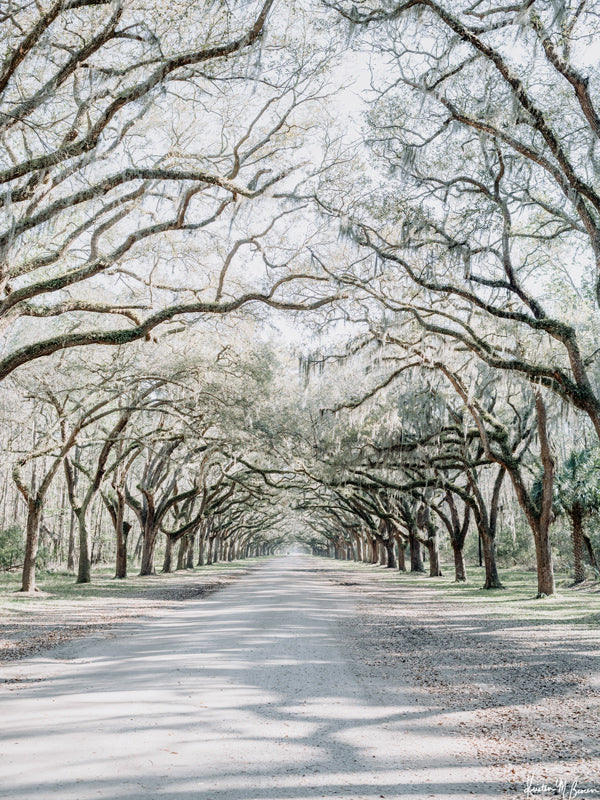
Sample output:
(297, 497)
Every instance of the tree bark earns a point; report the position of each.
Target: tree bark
(34, 514)
(435, 569)
(84, 567)
(576, 514)
(401, 547)
(189, 558)
(122, 533)
(148, 548)
(416, 554)
(545, 568)
(541, 531)
(591, 553)
(391, 555)
(168, 559)
(488, 544)
(460, 572)
(200, 562)
(71, 546)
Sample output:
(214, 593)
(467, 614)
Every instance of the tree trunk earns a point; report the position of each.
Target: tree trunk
(416, 554)
(182, 552)
(435, 570)
(168, 559)
(71, 546)
(488, 545)
(201, 550)
(34, 514)
(460, 572)
(148, 547)
(545, 569)
(122, 532)
(591, 553)
(541, 531)
(84, 567)
(401, 547)
(576, 515)
(189, 558)
(391, 555)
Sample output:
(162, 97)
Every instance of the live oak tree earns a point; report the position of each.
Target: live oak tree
(104, 460)
(64, 417)
(484, 219)
(116, 216)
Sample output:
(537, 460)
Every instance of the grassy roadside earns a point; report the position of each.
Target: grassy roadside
(571, 605)
(58, 586)
(63, 610)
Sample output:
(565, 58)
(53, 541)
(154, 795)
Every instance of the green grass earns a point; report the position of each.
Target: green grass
(577, 606)
(57, 586)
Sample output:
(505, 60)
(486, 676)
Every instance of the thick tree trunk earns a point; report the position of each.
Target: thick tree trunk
(401, 547)
(201, 551)
(84, 567)
(189, 557)
(416, 554)
(541, 531)
(182, 552)
(71, 545)
(576, 515)
(217, 550)
(391, 555)
(168, 559)
(122, 532)
(34, 514)
(488, 546)
(545, 568)
(148, 548)
(435, 570)
(460, 572)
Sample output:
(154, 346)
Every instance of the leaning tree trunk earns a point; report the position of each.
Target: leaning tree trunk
(34, 514)
(591, 553)
(576, 514)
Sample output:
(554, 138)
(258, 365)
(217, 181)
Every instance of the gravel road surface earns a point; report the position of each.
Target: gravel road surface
(251, 694)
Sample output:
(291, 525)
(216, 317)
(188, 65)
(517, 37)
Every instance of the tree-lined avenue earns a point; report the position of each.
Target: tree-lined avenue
(253, 693)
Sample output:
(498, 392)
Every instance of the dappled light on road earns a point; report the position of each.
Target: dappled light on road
(249, 695)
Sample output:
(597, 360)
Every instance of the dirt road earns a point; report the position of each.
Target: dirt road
(251, 694)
